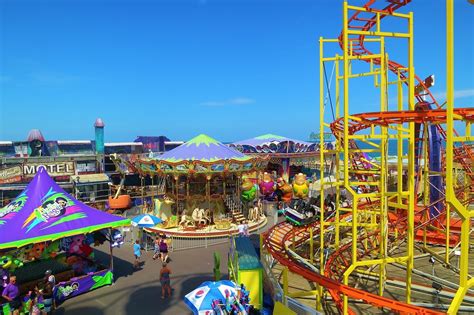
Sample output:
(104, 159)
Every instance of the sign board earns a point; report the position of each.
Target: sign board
(10, 175)
(86, 167)
(54, 168)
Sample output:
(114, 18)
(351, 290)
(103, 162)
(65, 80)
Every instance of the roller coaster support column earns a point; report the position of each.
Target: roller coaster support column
(411, 163)
(451, 199)
(383, 171)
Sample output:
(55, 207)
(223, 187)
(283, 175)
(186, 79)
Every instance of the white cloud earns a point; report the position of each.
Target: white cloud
(457, 94)
(232, 101)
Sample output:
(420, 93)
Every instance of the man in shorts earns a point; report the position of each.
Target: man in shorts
(11, 293)
(137, 251)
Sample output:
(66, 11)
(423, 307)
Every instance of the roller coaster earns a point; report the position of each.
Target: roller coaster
(428, 206)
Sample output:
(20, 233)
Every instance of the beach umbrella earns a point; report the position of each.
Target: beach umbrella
(146, 221)
(200, 299)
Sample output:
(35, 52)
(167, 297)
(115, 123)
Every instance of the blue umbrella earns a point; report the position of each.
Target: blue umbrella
(146, 221)
(200, 299)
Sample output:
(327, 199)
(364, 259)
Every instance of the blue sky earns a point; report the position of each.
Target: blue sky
(231, 69)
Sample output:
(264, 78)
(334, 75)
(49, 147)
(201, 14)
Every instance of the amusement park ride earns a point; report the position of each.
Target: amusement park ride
(431, 206)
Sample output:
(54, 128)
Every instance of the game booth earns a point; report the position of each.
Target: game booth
(45, 228)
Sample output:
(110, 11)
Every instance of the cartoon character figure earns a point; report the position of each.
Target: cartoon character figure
(52, 209)
(300, 186)
(249, 191)
(267, 186)
(36, 251)
(9, 263)
(285, 190)
(77, 243)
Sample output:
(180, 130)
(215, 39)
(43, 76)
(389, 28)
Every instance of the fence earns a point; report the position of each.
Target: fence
(182, 242)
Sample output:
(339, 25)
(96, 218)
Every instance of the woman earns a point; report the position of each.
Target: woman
(164, 249)
(165, 281)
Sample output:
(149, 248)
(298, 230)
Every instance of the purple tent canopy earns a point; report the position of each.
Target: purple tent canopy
(45, 212)
(202, 148)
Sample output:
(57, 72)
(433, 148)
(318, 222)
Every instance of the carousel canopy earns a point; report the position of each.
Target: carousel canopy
(45, 212)
(271, 143)
(202, 148)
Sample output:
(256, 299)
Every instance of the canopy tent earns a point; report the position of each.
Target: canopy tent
(45, 212)
(203, 148)
(271, 143)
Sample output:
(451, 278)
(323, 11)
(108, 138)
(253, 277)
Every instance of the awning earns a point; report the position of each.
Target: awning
(90, 178)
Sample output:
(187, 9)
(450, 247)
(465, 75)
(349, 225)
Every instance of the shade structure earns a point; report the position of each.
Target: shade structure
(146, 221)
(269, 138)
(45, 212)
(200, 299)
(203, 148)
(274, 144)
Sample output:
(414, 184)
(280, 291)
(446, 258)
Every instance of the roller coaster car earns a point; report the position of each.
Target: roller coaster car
(301, 212)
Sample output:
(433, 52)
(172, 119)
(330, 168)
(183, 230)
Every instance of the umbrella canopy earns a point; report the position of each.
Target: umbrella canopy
(203, 148)
(200, 299)
(45, 212)
(146, 220)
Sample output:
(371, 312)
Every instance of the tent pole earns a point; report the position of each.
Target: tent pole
(111, 252)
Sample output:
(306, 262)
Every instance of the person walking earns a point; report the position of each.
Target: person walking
(156, 249)
(164, 249)
(165, 273)
(11, 293)
(137, 251)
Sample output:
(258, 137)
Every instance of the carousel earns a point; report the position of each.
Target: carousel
(203, 182)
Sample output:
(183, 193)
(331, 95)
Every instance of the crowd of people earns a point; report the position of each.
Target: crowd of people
(160, 252)
(38, 301)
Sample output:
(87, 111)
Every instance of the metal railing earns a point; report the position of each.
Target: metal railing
(183, 242)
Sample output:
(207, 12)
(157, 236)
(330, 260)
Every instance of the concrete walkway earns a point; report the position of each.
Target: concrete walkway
(139, 292)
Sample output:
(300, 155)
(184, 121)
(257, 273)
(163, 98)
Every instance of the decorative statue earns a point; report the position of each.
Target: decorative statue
(249, 191)
(300, 186)
(285, 190)
(267, 186)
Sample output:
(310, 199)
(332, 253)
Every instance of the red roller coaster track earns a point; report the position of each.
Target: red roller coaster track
(275, 239)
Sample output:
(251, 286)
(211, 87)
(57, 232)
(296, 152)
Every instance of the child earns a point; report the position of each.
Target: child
(156, 251)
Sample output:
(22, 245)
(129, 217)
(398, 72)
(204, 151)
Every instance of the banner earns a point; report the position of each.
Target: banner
(54, 168)
(77, 286)
(10, 175)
